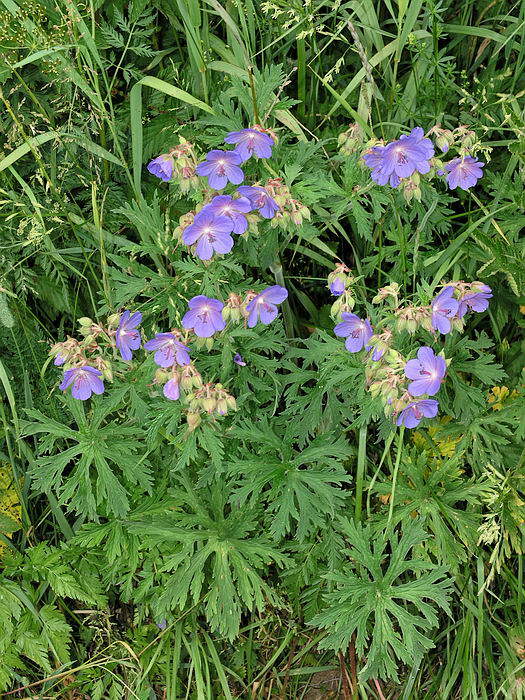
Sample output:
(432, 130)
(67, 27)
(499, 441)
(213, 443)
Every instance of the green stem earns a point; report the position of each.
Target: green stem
(277, 269)
(254, 97)
(388, 442)
(301, 78)
(394, 478)
(359, 479)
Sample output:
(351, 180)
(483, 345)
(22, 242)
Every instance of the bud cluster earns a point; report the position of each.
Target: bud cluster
(339, 284)
(184, 165)
(73, 353)
(209, 399)
(291, 212)
(351, 140)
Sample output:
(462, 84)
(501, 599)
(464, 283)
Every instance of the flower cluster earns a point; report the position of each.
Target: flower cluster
(84, 362)
(406, 386)
(178, 165)
(209, 229)
(402, 161)
(86, 367)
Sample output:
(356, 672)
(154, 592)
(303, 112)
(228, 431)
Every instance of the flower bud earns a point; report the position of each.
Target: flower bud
(209, 404)
(350, 140)
(86, 322)
(222, 407)
(161, 376)
(375, 389)
(114, 320)
(194, 420)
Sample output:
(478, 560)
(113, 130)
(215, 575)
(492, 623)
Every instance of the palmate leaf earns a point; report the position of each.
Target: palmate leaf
(103, 460)
(207, 554)
(301, 489)
(438, 493)
(387, 599)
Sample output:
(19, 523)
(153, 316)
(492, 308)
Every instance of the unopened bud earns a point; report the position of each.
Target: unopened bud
(161, 376)
(85, 322)
(194, 420)
(222, 407)
(209, 404)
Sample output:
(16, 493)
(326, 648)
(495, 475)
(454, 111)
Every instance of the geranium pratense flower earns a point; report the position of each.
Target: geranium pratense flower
(211, 232)
(337, 286)
(356, 331)
(444, 307)
(171, 389)
(427, 372)
(475, 300)
(127, 335)
(260, 199)
(237, 358)
(463, 172)
(169, 350)
(401, 158)
(263, 306)
(412, 415)
(221, 167)
(84, 380)
(235, 209)
(204, 316)
(162, 167)
(251, 142)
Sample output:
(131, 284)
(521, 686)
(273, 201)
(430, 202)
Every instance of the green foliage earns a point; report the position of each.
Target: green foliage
(155, 560)
(373, 599)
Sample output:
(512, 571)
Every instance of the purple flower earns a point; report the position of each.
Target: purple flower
(211, 232)
(401, 158)
(427, 372)
(444, 307)
(263, 305)
(250, 142)
(59, 360)
(85, 380)
(171, 389)
(463, 172)
(477, 301)
(204, 316)
(128, 337)
(356, 331)
(234, 209)
(411, 416)
(260, 199)
(221, 167)
(237, 358)
(162, 167)
(169, 350)
(337, 286)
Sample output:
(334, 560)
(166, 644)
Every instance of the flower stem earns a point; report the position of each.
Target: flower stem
(254, 97)
(277, 270)
(359, 479)
(394, 478)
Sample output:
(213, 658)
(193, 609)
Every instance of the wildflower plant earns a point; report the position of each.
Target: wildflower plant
(213, 446)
